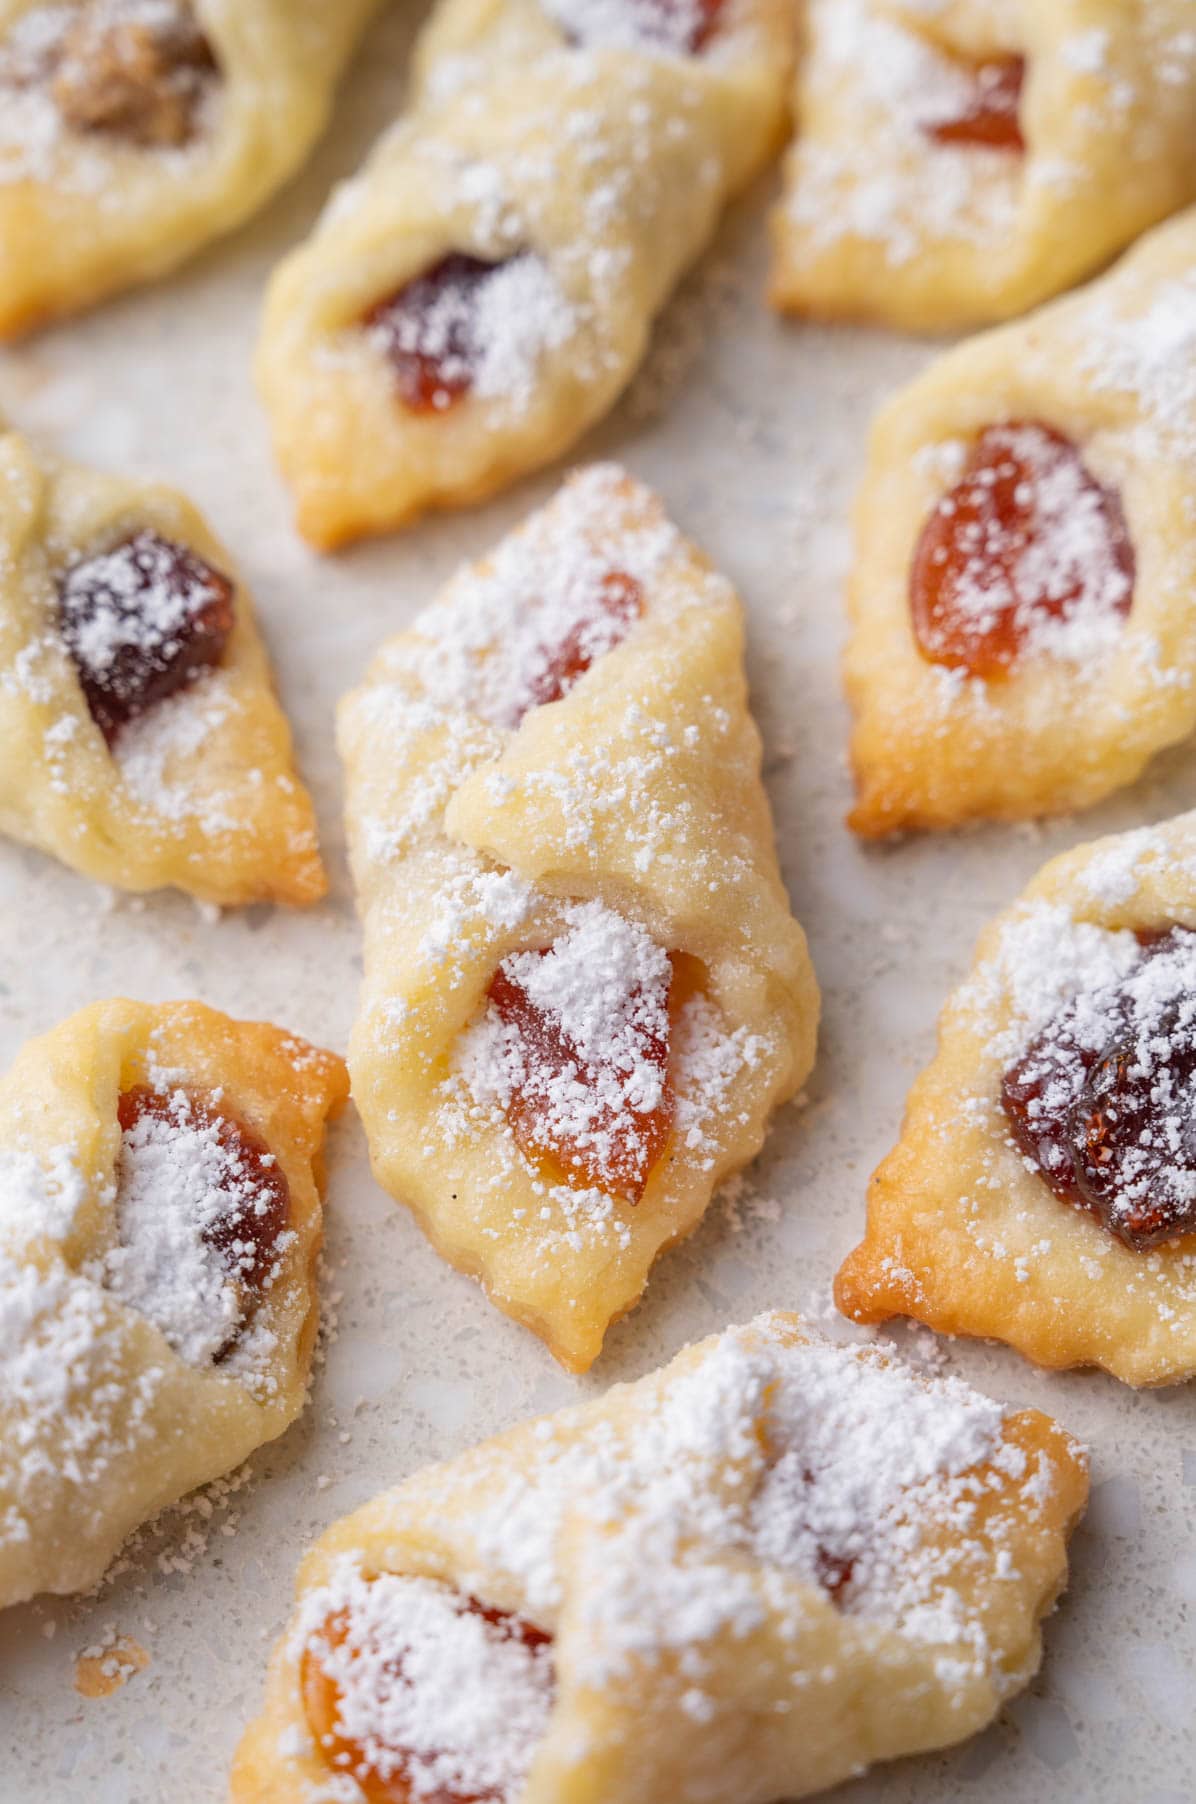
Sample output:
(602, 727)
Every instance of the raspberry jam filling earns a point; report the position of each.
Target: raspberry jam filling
(426, 1696)
(202, 1212)
(992, 118)
(1103, 1102)
(141, 622)
(583, 1053)
(1028, 552)
(616, 605)
(431, 331)
(133, 71)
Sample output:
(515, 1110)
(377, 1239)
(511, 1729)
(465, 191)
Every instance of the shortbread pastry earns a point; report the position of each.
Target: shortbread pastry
(483, 290)
(134, 131)
(1043, 1191)
(159, 1224)
(1023, 596)
(959, 161)
(584, 992)
(744, 1578)
(140, 739)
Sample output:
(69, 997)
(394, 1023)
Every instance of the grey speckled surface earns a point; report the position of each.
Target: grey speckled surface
(753, 433)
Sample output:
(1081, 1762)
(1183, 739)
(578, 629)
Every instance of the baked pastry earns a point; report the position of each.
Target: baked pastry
(1043, 1191)
(741, 1579)
(584, 992)
(134, 131)
(483, 290)
(1023, 637)
(159, 1225)
(142, 742)
(959, 161)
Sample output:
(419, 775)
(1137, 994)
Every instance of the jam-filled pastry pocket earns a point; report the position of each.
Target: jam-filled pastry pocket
(160, 1173)
(140, 738)
(584, 992)
(483, 290)
(959, 161)
(745, 1577)
(1043, 1191)
(1023, 595)
(134, 131)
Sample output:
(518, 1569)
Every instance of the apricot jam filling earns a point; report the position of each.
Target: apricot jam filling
(588, 1086)
(991, 120)
(134, 72)
(1027, 553)
(430, 330)
(141, 622)
(1103, 1101)
(425, 1695)
(554, 667)
(202, 1210)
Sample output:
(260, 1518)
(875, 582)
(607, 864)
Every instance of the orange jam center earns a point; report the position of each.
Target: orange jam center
(620, 1144)
(1028, 537)
(322, 1707)
(991, 120)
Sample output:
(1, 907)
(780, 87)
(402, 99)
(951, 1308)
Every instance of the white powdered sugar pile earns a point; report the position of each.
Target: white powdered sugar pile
(1148, 352)
(179, 1182)
(493, 646)
(142, 597)
(602, 989)
(674, 27)
(40, 1194)
(430, 1693)
(834, 1466)
(1054, 571)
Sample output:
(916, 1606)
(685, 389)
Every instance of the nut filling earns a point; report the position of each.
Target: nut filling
(135, 69)
(141, 622)
(1103, 1102)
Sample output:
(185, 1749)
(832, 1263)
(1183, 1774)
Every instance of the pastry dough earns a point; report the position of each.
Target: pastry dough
(586, 158)
(619, 825)
(142, 1352)
(199, 789)
(1093, 696)
(889, 216)
(741, 1579)
(965, 1232)
(134, 131)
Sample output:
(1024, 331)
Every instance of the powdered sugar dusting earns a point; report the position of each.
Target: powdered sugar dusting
(180, 1179)
(430, 1694)
(771, 1478)
(491, 646)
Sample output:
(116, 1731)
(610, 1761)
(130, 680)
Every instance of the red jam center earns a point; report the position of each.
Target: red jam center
(322, 1707)
(991, 120)
(429, 331)
(1109, 1118)
(619, 604)
(141, 622)
(246, 1235)
(1026, 544)
(621, 1144)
